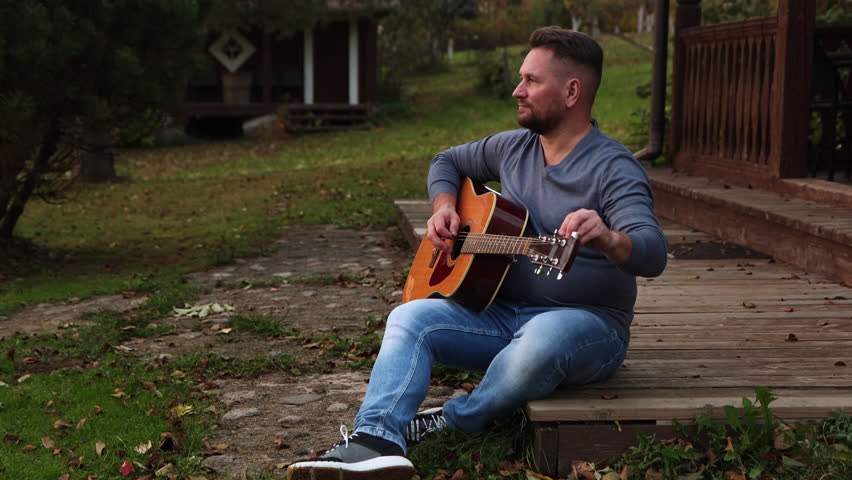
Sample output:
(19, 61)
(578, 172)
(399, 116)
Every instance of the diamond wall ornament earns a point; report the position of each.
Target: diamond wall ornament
(232, 50)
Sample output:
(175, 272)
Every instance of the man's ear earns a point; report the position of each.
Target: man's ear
(572, 92)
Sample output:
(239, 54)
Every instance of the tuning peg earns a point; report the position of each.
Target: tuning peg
(575, 235)
(559, 276)
(538, 270)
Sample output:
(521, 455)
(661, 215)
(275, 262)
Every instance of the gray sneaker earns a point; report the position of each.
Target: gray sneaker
(423, 423)
(358, 457)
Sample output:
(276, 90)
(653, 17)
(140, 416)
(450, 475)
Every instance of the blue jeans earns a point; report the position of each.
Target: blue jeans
(525, 352)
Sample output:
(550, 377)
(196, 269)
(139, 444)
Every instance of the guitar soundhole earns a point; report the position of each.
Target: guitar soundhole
(457, 244)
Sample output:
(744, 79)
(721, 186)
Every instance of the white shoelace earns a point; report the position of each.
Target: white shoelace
(345, 432)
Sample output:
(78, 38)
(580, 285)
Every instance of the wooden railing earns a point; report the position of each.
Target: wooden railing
(727, 81)
(740, 94)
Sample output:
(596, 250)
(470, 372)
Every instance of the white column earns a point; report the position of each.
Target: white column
(353, 62)
(308, 78)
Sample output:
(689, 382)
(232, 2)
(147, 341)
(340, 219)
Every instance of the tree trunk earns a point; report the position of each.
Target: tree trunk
(96, 162)
(15, 208)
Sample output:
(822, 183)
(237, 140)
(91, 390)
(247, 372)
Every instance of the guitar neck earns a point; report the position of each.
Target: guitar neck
(477, 243)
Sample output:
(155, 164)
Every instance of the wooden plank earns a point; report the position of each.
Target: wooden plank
(598, 442)
(586, 404)
(546, 448)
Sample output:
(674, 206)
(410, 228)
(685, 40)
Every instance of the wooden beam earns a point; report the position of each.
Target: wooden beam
(687, 14)
(266, 72)
(353, 62)
(308, 92)
(791, 88)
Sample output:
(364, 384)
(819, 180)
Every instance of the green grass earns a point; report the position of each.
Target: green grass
(116, 408)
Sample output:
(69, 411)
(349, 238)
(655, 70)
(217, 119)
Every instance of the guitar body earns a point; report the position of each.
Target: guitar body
(471, 280)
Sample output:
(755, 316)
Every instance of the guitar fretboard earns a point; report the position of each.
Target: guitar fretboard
(476, 243)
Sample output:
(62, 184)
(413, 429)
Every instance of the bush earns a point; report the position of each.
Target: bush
(497, 74)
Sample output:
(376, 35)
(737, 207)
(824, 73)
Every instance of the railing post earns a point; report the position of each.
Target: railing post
(791, 88)
(687, 14)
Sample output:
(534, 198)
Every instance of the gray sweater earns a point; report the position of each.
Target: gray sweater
(599, 174)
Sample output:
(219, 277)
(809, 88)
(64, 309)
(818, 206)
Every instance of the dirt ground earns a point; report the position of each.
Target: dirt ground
(270, 421)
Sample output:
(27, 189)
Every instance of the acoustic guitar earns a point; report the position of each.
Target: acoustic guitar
(490, 234)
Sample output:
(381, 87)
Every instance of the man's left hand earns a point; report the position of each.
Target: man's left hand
(595, 234)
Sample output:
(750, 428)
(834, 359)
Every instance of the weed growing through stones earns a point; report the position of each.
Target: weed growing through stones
(261, 324)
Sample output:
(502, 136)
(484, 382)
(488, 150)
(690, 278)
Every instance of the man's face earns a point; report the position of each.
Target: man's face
(540, 93)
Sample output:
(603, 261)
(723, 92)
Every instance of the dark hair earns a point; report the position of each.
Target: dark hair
(573, 45)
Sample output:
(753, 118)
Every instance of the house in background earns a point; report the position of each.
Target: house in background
(318, 79)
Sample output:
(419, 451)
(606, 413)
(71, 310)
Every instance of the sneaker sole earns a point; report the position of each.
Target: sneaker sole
(384, 468)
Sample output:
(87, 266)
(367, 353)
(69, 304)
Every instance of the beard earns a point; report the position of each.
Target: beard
(541, 123)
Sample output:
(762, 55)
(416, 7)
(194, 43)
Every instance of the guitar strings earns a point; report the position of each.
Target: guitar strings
(502, 238)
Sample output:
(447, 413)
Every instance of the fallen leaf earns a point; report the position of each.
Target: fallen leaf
(459, 475)
(99, 447)
(168, 442)
(792, 338)
(62, 424)
(24, 378)
(28, 448)
(734, 475)
(785, 438)
(81, 423)
(536, 476)
(839, 364)
(579, 466)
(142, 448)
(181, 410)
(126, 468)
(46, 442)
(167, 469)
(749, 305)
(652, 474)
(730, 446)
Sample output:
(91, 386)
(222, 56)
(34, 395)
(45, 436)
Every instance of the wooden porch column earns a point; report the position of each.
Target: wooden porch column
(353, 62)
(687, 14)
(267, 68)
(308, 70)
(791, 87)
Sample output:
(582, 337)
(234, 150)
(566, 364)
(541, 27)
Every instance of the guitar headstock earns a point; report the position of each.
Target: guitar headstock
(554, 252)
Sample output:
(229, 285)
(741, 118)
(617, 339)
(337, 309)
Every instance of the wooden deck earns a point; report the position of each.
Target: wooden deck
(706, 333)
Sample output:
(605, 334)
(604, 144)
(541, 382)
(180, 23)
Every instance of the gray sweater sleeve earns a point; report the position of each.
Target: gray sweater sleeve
(627, 205)
(478, 160)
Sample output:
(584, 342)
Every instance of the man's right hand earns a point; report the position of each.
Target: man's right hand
(444, 222)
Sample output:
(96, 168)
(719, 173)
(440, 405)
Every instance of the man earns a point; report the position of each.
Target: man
(540, 332)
